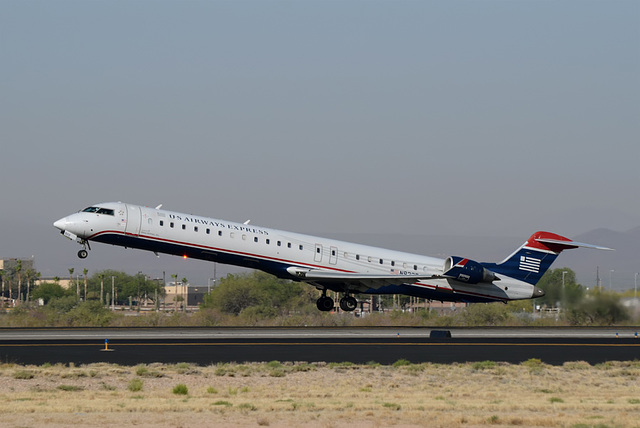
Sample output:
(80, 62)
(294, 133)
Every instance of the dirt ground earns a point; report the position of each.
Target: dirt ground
(322, 395)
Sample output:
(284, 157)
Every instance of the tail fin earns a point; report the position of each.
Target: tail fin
(529, 262)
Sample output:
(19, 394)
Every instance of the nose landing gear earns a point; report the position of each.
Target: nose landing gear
(84, 253)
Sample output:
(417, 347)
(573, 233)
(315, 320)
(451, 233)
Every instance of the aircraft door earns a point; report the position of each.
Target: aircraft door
(134, 217)
(333, 256)
(146, 224)
(318, 254)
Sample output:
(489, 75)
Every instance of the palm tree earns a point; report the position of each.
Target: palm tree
(184, 291)
(19, 271)
(71, 279)
(30, 275)
(175, 283)
(2, 278)
(85, 271)
(101, 276)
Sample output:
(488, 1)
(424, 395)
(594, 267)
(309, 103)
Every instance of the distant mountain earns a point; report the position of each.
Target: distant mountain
(624, 261)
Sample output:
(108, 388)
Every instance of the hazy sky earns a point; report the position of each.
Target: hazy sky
(470, 118)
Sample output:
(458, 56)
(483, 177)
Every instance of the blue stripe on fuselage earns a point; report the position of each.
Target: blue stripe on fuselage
(277, 268)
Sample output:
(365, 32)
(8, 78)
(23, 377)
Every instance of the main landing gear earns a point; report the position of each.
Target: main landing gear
(348, 303)
(326, 303)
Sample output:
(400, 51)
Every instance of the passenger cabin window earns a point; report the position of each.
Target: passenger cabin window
(184, 226)
(219, 233)
(300, 247)
(255, 239)
(288, 244)
(267, 241)
(161, 222)
(171, 224)
(195, 228)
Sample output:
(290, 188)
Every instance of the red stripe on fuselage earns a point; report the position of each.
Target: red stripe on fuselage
(205, 247)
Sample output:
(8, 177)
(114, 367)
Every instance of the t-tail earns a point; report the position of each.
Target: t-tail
(529, 262)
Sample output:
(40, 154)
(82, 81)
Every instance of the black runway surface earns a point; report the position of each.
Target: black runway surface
(51, 346)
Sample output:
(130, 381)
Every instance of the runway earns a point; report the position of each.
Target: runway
(204, 346)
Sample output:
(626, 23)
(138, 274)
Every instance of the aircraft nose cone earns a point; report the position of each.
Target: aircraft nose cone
(60, 224)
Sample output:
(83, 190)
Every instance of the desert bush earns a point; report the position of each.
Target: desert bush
(135, 385)
(181, 389)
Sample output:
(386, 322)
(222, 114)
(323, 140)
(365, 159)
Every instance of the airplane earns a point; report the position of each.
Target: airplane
(328, 264)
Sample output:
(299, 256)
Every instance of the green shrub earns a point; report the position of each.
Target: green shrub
(23, 374)
(135, 385)
(484, 365)
(70, 388)
(393, 406)
(181, 389)
(402, 362)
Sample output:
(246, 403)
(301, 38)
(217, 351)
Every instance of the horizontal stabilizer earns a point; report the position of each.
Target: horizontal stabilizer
(572, 244)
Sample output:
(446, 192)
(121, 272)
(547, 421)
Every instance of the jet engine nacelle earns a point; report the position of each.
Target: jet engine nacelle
(466, 270)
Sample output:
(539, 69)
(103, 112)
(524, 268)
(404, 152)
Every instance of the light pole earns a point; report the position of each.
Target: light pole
(610, 272)
(113, 293)
(564, 272)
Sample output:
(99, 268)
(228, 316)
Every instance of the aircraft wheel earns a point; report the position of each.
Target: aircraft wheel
(325, 304)
(83, 254)
(348, 303)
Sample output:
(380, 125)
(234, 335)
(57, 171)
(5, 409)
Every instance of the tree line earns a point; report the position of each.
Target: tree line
(257, 298)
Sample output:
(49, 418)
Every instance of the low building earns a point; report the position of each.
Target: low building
(177, 294)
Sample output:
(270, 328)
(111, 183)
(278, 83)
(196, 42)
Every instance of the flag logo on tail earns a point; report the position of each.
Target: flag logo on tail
(530, 264)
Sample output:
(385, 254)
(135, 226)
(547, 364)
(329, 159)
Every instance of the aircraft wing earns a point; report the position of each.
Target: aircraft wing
(357, 280)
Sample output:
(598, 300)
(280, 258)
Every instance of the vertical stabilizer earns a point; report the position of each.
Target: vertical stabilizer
(529, 262)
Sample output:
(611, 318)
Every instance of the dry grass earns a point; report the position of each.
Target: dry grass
(322, 395)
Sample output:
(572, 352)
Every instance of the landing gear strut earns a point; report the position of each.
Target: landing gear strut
(325, 303)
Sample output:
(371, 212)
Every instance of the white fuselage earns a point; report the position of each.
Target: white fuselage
(276, 251)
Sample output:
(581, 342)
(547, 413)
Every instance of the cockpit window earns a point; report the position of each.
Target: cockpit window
(105, 211)
(98, 210)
